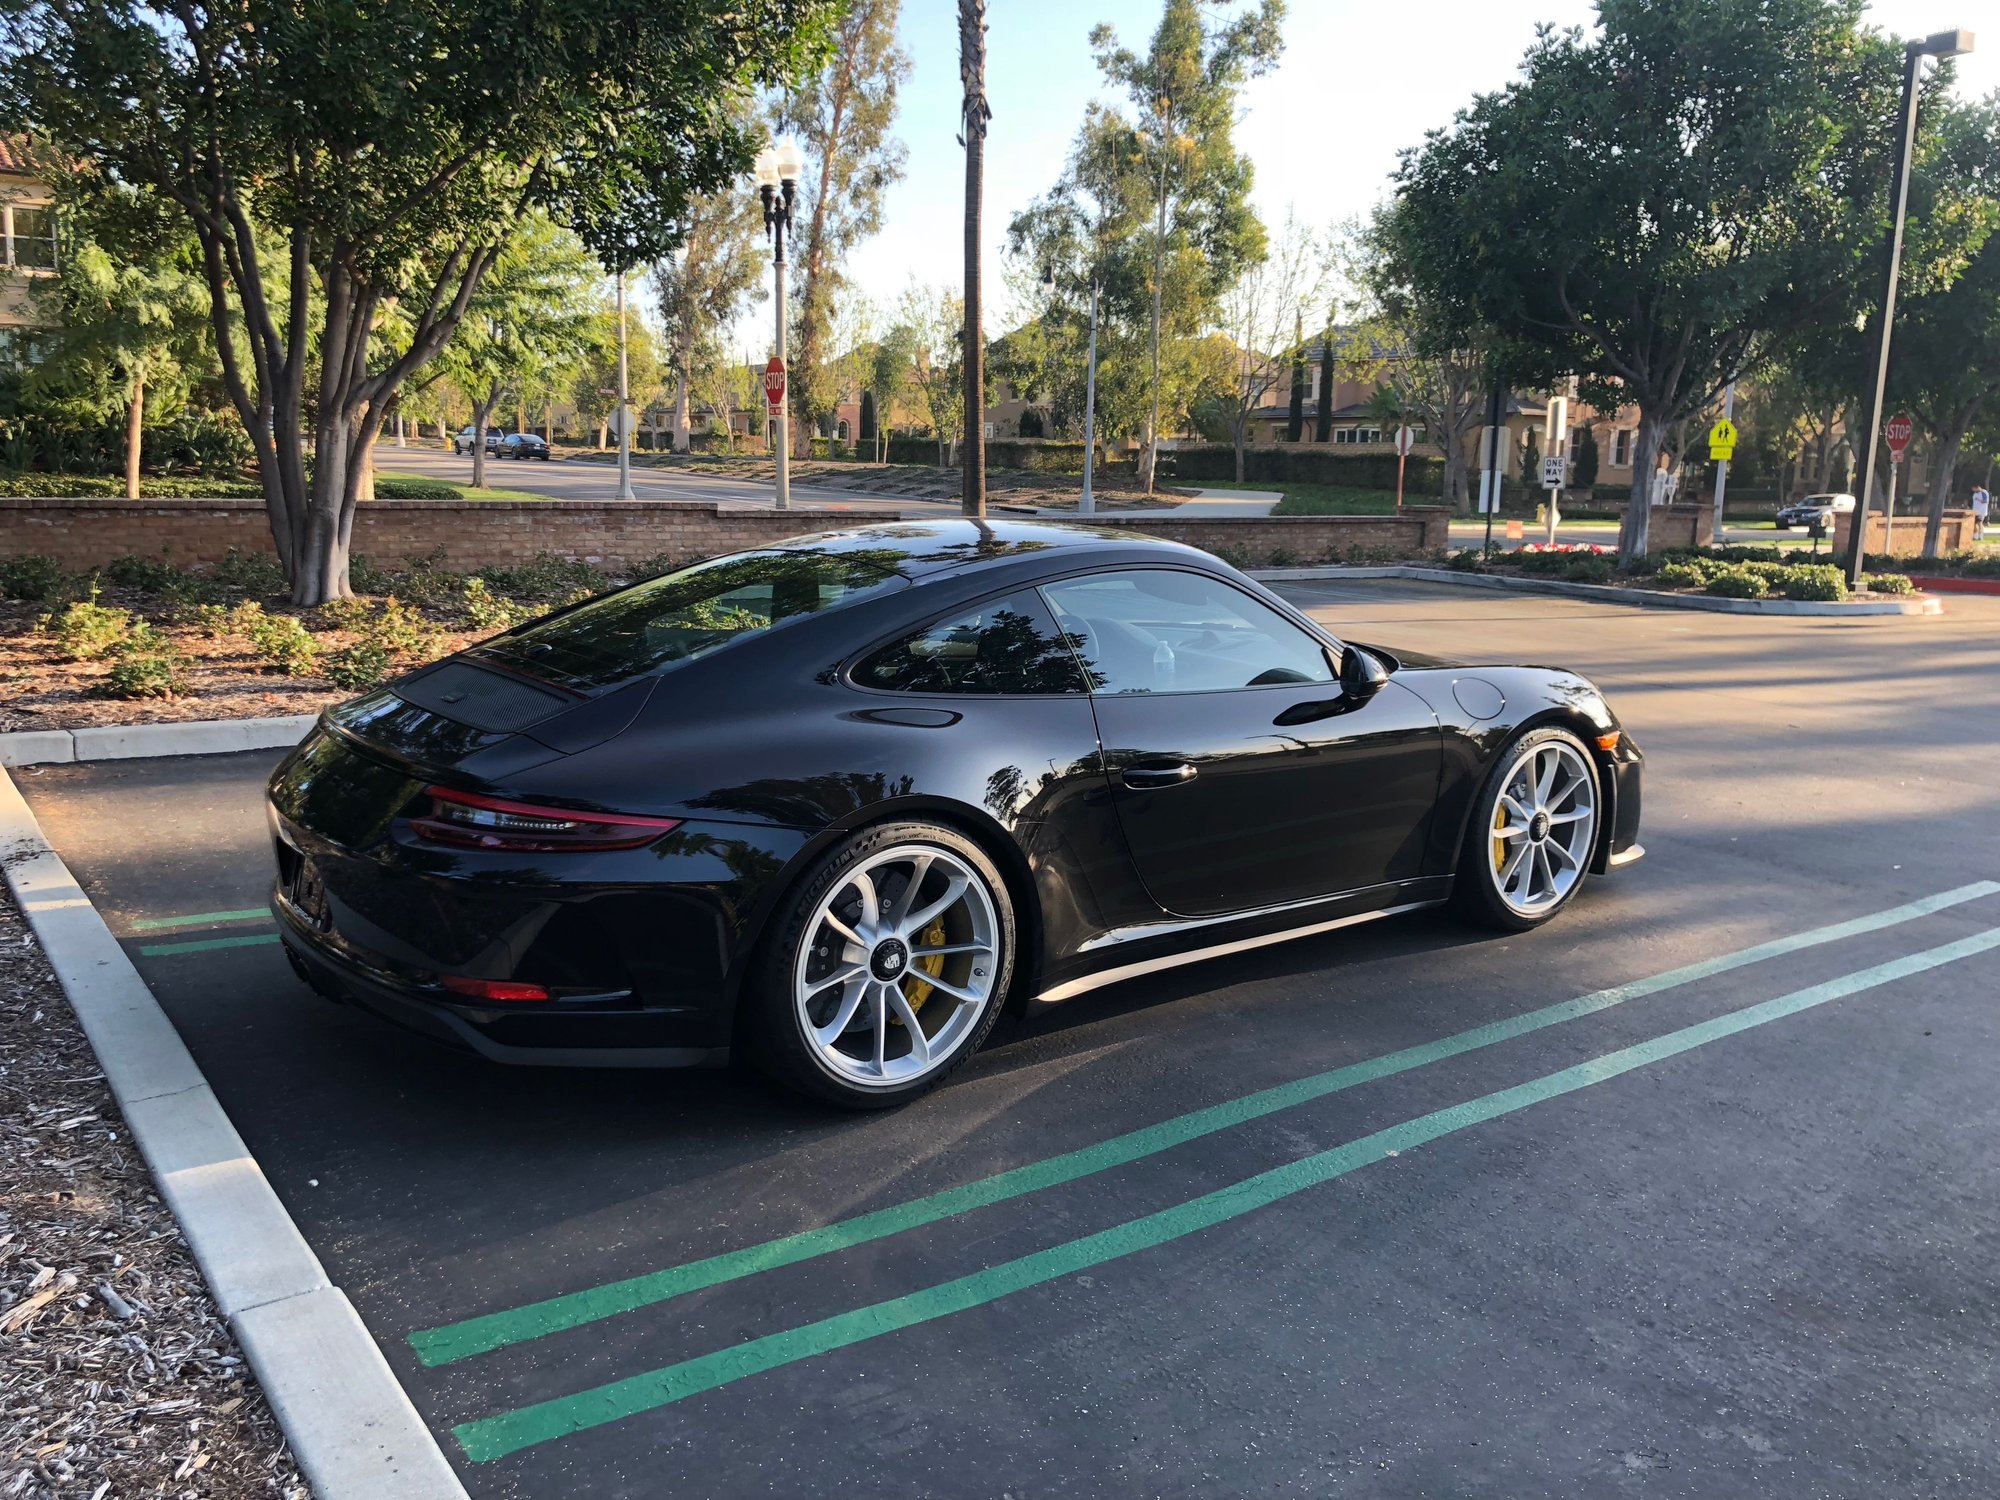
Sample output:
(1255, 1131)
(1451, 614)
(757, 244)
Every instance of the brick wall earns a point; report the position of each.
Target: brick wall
(89, 533)
(1961, 533)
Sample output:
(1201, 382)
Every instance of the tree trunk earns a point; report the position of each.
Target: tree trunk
(135, 430)
(481, 414)
(1636, 533)
(1241, 434)
(972, 70)
(1149, 451)
(682, 444)
(603, 429)
(1943, 461)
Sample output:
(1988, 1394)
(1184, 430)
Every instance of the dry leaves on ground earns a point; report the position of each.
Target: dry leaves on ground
(118, 1377)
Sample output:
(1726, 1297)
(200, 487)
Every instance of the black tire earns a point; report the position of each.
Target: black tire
(771, 1033)
(1475, 891)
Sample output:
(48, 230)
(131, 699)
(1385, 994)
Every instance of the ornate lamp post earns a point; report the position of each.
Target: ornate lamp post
(778, 167)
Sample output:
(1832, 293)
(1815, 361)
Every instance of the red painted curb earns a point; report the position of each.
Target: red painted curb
(1956, 585)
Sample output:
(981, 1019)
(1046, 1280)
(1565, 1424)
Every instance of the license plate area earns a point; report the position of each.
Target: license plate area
(306, 893)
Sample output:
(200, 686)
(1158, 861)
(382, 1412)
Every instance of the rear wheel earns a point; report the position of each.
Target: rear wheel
(886, 970)
(1532, 833)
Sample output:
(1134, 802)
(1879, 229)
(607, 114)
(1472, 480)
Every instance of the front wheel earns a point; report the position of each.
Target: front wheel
(885, 970)
(1532, 833)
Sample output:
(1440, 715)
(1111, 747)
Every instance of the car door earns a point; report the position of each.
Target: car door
(1241, 774)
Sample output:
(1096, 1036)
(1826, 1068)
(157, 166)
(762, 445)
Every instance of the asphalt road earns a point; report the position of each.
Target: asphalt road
(1728, 1233)
(578, 479)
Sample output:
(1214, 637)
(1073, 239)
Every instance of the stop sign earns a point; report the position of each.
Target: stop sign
(1897, 430)
(774, 382)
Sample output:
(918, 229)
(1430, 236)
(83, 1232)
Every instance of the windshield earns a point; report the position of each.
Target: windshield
(683, 615)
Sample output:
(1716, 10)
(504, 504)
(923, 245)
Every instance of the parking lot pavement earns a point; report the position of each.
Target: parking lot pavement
(581, 479)
(1690, 1194)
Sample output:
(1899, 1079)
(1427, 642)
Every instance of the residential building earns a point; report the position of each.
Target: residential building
(27, 254)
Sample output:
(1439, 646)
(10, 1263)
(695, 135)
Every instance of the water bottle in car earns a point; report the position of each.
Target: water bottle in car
(1163, 668)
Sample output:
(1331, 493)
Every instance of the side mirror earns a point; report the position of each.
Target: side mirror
(1362, 674)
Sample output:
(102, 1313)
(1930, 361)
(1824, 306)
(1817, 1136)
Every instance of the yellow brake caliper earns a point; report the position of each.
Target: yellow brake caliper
(918, 992)
(1499, 844)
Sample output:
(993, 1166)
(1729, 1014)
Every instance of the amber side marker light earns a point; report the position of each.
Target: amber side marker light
(1609, 742)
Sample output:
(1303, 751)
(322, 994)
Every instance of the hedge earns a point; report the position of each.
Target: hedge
(93, 486)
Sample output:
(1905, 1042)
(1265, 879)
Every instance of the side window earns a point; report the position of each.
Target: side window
(1165, 631)
(1005, 645)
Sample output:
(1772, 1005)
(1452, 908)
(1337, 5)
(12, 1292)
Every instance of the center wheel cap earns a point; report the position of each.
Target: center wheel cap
(890, 961)
(1538, 827)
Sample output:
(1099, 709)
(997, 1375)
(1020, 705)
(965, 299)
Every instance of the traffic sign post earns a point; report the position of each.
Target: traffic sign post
(1896, 432)
(1722, 448)
(774, 385)
(1406, 439)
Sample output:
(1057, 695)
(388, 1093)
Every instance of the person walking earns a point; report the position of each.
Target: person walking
(1982, 504)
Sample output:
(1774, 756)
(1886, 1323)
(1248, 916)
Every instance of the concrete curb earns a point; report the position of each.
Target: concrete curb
(350, 1424)
(38, 747)
(1608, 594)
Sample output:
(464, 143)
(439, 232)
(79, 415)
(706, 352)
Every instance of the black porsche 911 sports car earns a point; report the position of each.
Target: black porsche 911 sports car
(833, 804)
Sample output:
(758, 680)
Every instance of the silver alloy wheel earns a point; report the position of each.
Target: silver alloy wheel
(1544, 827)
(896, 966)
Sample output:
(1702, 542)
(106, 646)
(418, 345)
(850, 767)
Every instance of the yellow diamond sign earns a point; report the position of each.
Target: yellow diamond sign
(1722, 439)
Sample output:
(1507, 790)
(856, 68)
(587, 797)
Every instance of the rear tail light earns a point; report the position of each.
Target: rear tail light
(493, 989)
(475, 822)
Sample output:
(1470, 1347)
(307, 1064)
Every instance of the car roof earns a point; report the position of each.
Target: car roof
(925, 548)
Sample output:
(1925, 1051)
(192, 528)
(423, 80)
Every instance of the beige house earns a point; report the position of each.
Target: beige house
(27, 254)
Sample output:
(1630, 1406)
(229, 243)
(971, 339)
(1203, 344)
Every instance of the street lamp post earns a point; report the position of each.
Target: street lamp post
(1940, 44)
(778, 168)
(624, 402)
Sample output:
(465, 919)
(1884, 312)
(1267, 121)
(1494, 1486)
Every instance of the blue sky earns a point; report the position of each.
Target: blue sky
(1359, 81)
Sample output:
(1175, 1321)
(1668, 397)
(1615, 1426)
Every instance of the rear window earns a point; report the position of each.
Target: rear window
(684, 615)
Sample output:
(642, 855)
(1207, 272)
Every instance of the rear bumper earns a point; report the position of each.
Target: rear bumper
(542, 1033)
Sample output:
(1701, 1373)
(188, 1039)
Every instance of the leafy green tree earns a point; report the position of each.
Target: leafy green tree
(391, 152)
(594, 385)
(1329, 369)
(1584, 473)
(1531, 461)
(529, 323)
(842, 115)
(131, 306)
(705, 286)
(1263, 317)
(935, 317)
(1295, 417)
(1721, 171)
(1184, 93)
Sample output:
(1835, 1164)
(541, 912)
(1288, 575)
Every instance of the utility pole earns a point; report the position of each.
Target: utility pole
(972, 74)
(1489, 481)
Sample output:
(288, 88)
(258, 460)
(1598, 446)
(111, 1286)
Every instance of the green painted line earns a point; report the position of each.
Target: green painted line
(208, 945)
(509, 1432)
(202, 919)
(480, 1335)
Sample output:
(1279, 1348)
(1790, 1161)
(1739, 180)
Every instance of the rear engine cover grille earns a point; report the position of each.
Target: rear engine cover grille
(485, 700)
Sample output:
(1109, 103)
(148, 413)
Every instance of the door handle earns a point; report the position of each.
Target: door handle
(1147, 778)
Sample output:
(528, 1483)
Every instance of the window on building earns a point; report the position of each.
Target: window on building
(1343, 435)
(1621, 448)
(31, 236)
(19, 348)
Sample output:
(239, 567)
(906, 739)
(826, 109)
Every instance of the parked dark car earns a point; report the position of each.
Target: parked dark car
(837, 802)
(1813, 510)
(467, 436)
(523, 445)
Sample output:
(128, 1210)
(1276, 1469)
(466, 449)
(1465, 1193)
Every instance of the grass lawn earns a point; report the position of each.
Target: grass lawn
(1322, 499)
(444, 489)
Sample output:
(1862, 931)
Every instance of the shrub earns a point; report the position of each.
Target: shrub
(550, 577)
(218, 621)
(1736, 582)
(152, 668)
(253, 572)
(367, 578)
(89, 631)
(1821, 581)
(1465, 560)
(363, 663)
(486, 609)
(1588, 570)
(285, 644)
(401, 631)
(343, 614)
(38, 579)
(1682, 575)
(417, 489)
(1282, 557)
(1889, 583)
